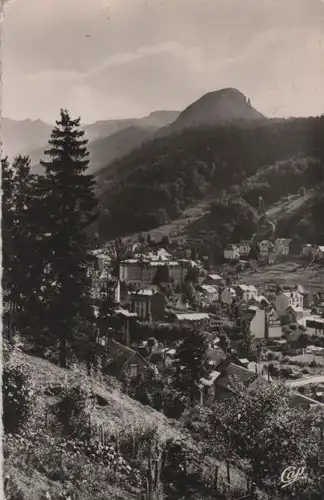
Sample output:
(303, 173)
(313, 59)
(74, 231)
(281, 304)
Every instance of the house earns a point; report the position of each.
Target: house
(127, 320)
(308, 251)
(244, 248)
(246, 292)
(209, 293)
(282, 246)
(272, 257)
(231, 252)
(286, 299)
(258, 322)
(225, 383)
(319, 256)
(294, 314)
(214, 280)
(260, 301)
(149, 304)
(274, 325)
(121, 359)
(265, 246)
(191, 318)
(228, 295)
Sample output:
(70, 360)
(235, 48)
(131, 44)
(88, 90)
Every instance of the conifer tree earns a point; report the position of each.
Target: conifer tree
(69, 208)
(191, 363)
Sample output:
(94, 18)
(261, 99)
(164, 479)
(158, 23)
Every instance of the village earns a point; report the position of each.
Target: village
(269, 332)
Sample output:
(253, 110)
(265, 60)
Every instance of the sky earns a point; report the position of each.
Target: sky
(105, 59)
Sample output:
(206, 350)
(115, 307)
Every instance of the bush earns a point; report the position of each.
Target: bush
(18, 396)
(73, 409)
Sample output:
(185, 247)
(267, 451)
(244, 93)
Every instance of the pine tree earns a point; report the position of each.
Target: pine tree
(191, 363)
(69, 208)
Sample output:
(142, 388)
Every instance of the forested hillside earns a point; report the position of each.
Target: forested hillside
(155, 183)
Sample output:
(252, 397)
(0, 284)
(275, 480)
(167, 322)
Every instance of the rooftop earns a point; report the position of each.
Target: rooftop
(214, 277)
(192, 316)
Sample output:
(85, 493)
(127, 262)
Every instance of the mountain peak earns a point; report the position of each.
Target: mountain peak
(221, 106)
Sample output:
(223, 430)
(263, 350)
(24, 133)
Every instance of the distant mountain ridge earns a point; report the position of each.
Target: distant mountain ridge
(30, 137)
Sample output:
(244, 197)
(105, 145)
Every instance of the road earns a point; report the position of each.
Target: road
(317, 379)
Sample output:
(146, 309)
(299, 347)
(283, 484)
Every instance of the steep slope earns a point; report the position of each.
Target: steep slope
(218, 107)
(41, 461)
(105, 150)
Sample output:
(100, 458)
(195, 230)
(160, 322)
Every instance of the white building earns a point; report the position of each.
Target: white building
(246, 292)
(287, 299)
(231, 252)
(210, 294)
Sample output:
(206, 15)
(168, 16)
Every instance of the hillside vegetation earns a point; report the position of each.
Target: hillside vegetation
(39, 460)
(156, 183)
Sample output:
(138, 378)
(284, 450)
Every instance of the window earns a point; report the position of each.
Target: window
(133, 371)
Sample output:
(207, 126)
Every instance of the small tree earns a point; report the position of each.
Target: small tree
(18, 396)
(73, 409)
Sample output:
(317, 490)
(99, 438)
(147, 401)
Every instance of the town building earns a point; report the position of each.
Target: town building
(142, 271)
(231, 252)
(246, 292)
(286, 299)
(265, 247)
(192, 319)
(244, 248)
(210, 294)
(282, 247)
(148, 304)
(214, 280)
(308, 250)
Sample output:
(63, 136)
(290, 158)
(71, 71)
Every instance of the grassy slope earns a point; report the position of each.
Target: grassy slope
(119, 415)
(289, 272)
(284, 208)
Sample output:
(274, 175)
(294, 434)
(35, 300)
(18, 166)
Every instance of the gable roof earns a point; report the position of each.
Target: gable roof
(215, 277)
(216, 356)
(119, 356)
(209, 289)
(233, 370)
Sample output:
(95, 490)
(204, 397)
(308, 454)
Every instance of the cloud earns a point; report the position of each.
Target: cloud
(128, 57)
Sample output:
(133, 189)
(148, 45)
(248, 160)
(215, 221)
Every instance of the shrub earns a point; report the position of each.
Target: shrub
(73, 409)
(18, 396)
